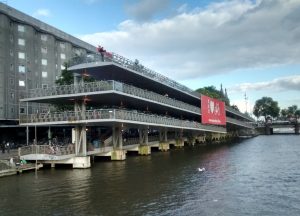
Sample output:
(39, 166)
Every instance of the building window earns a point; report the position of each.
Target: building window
(12, 95)
(21, 55)
(11, 53)
(21, 83)
(21, 42)
(21, 28)
(62, 45)
(44, 74)
(62, 67)
(22, 110)
(63, 56)
(44, 49)
(12, 110)
(21, 68)
(11, 38)
(44, 86)
(44, 62)
(11, 67)
(44, 37)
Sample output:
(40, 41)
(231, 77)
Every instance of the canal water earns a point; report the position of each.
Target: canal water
(258, 176)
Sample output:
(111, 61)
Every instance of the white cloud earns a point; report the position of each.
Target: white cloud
(282, 83)
(146, 9)
(42, 13)
(206, 41)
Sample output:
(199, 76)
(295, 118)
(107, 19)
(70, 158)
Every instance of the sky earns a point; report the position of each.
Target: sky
(251, 47)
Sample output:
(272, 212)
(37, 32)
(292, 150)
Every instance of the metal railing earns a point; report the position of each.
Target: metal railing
(240, 123)
(238, 113)
(47, 149)
(110, 85)
(70, 89)
(114, 114)
(133, 65)
(5, 165)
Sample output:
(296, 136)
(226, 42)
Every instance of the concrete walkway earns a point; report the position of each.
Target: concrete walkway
(6, 156)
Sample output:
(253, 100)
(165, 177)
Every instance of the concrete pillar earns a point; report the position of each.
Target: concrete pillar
(215, 137)
(81, 162)
(179, 143)
(163, 146)
(267, 129)
(143, 136)
(144, 150)
(297, 128)
(163, 135)
(117, 137)
(201, 139)
(118, 154)
(80, 140)
(52, 165)
(191, 140)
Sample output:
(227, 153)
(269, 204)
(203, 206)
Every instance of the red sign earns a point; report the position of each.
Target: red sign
(213, 111)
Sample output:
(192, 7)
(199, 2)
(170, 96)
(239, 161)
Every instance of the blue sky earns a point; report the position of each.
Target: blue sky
(250, 47)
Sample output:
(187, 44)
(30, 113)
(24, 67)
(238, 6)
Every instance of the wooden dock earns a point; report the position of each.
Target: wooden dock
(20, 169)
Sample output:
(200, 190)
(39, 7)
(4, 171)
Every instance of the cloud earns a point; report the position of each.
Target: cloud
(203, 42)
(42, 13)
(278, 84)
(146, 9)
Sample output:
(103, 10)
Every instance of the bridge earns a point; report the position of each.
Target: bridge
(272, 127)
(130, 107)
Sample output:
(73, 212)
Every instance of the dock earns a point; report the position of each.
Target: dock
(6, 169)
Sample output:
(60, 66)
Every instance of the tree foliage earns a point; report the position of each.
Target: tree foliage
(290, 112)
(212, 92)
(67, 78)
(266, 106)
(235, 107)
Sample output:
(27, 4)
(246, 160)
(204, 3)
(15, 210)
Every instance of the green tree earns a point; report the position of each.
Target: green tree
(266, 106)
(284, 113)
(66, 77)
(235, 107)
(212, 92)
(291, 112)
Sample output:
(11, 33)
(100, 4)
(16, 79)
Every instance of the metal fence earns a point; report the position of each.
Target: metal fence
(47, 149)
(115, 114)
(5, 165)
(133, 65)
(110, 85)
(240, 123)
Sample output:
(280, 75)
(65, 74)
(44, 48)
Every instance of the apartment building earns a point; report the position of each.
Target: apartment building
(32, 55)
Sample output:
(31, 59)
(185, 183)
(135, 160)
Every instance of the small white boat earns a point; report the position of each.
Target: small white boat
(201, 169)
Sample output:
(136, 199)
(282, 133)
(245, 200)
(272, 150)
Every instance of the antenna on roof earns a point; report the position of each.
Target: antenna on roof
(246, 101)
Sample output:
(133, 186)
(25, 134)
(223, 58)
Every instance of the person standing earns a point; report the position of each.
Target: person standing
(7, 147)
(3, 147)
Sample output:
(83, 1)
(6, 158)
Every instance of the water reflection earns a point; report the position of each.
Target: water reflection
(256, 177)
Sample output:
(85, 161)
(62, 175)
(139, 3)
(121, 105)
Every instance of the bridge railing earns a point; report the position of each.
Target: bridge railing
(47, 149)
(115, 114)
